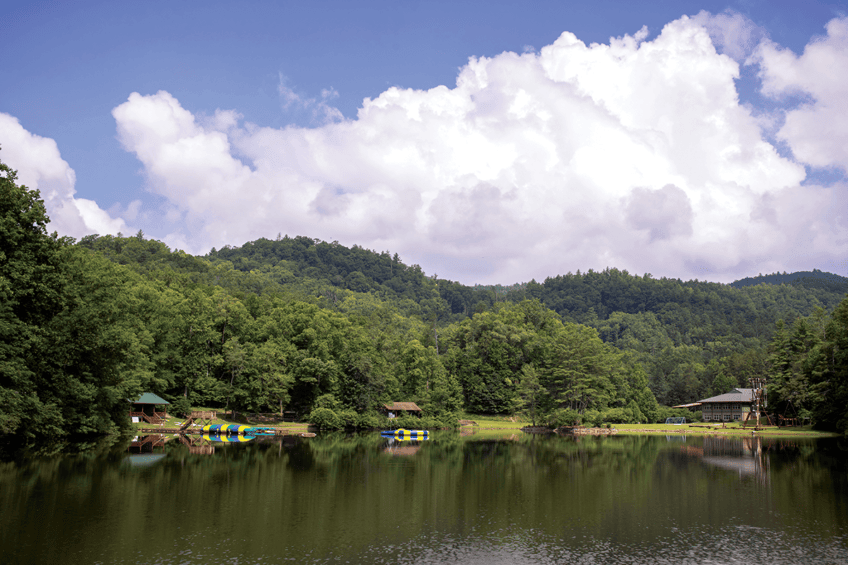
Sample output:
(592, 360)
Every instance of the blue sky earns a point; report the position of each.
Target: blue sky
(290, 79)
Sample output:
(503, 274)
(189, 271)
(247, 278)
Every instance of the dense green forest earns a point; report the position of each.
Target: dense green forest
(693, 338)
(320, 329)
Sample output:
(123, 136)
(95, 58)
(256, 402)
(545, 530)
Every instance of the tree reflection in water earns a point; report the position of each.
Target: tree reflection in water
(529, 499)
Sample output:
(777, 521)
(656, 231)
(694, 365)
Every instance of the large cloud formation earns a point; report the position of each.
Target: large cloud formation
(817, 130)
(40, 167)
(635, 154)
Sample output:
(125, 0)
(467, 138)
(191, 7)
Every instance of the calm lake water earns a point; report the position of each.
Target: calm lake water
(452, 499)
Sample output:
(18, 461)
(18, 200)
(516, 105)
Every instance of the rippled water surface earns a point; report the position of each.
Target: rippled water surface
(368, 499)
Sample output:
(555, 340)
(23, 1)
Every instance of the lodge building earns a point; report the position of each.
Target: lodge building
(728, 407)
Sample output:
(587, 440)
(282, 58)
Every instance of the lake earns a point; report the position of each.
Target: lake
(451, 499)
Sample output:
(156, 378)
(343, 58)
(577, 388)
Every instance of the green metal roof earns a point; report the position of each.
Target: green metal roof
(149, 398)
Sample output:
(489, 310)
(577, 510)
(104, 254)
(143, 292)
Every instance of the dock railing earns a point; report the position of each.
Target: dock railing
(157, 419)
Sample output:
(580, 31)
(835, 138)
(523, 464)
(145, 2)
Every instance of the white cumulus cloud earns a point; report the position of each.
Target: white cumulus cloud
(634, 154)
(817, 130)
(732, 33)
(40, 167)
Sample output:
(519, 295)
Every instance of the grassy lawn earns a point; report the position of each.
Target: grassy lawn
(733, 428)
(504, 424)
(486, 422)
(498, 425)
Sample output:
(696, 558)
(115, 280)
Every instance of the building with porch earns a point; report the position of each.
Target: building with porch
(728, 407)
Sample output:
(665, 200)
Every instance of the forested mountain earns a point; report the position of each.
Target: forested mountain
(808, 279)
(693, 338)
(334, 266)
(317, 328)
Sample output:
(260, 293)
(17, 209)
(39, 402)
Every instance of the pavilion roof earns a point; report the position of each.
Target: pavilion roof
(149, 398)
(406, 406)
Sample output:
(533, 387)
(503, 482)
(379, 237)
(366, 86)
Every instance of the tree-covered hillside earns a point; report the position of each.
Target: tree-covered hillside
(693, 338)
(332, 333)
(87, 326)
(808, 279)
(334, 266)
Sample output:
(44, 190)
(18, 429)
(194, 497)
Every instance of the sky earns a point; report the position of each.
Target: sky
(487, 141)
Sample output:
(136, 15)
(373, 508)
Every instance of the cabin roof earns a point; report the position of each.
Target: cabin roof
(406, 406)
(735, 395)
(149, 398)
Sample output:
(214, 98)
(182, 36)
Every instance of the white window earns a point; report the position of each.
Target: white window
(736, 416)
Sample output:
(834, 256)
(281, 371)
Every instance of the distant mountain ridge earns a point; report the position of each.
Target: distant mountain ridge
(808, 279)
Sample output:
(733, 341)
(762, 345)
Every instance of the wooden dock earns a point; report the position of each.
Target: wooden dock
(198, 431)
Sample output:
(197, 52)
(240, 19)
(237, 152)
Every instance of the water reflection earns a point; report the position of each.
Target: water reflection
(406, 446)
(145, 451)
(147, 443)
(740, 455)
(475, 499)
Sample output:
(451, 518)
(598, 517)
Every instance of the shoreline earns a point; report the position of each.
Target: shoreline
(658, 429)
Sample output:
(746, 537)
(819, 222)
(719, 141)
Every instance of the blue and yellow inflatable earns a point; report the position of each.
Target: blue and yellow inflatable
(224, 438)
(408, 434)
(225, 429)
(235, 429)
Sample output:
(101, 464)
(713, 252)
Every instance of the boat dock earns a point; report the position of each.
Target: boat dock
(199, 431)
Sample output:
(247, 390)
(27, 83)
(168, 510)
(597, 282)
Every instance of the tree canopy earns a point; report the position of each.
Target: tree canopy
(298, 324)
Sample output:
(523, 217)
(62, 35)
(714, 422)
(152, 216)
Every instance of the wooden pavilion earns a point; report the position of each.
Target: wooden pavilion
(144, 409)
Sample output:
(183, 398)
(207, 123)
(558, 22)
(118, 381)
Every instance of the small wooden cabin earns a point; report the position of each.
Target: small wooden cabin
(401, 408)
(145, 408)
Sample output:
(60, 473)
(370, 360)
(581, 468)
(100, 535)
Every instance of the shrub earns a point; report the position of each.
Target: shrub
(349, 418)
(592, 418)
(372, 421)
(616, 416)
(406, 422)
(563, 417)
(446, 421)
(326, 419)
(327, 401)
(180, 407)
